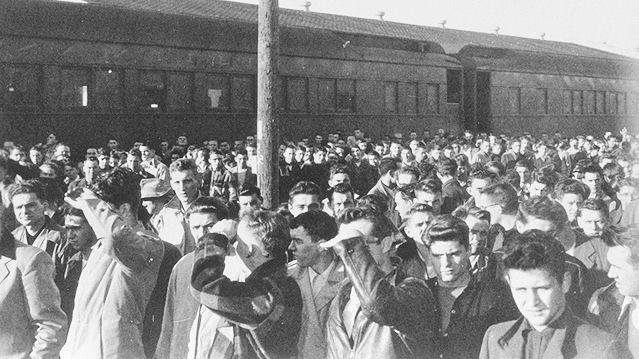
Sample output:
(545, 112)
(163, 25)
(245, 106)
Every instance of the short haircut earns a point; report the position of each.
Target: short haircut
(592, 168)
(378, 201)
(119, 186)
(545, 209)
(339, 168)
(501, 169)
(447, 167)
(388, 165)
(504, 195)
(271, 228)
(68, 210)
(183, 164)
(482, 174)
(318, 224)
(569, 185)
(448, 228)
(429, 185)
(420, 208)
(34, 186)
(463, 212)
(135, 153)
(629, 238)
(383, 227)
(594, 204)
(305, 187)
(343, 188)
(410, 170)
(209, 205)
(535, 250)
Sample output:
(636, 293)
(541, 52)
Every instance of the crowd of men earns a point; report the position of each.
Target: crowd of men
(430, 246)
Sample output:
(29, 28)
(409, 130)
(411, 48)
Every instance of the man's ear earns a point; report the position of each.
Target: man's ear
(565, 286)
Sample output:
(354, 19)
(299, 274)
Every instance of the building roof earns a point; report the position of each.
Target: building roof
(453, 41)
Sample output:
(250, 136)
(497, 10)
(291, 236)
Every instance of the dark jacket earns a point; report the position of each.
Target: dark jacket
(266, 309)
(485, 301)
(397, 313)
(606, 312)
(453, 195)
(573, 338)
(591, 251)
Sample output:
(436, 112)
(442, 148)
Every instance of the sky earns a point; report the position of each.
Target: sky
(610, 25)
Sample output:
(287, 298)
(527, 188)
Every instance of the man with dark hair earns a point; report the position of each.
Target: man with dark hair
(318, 273)
(218, 181)
(340, 197)
(571, 194)
(90, 170)
(478, 179)
(249, 199)
(453, 195)
(133, 162)
(501, 201)
(539, 280)
(120, 275)
(614, 307)
(339, 173)
(363, 174)
(289, 172)
(376, 313)
(304, 197)
(467, 303)
(265, 309)
(429, 192)
(414, 251)
(478, 222)
(171, 222)
(593, 217)
(152, 164)
(36, 229)
(541, 185)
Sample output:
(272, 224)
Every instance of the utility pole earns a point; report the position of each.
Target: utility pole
(267, 117)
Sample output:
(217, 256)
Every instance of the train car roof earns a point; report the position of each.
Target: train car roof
(451, 40)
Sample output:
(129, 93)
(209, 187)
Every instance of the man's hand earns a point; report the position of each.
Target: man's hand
(346, 241)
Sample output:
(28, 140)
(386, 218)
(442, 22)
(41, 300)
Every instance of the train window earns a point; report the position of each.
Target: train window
(179, 91)
(453, 86)
(346, 95)
(410, 98)
(242, 93)
(107, 93)
(390, 97)
(432, 98)
(540, 101)
(297, 94)
(577, 102)
(152, 90)
(20, 87)
(621, 103)
(589, 103)
(215, 93)
(567, 101)
(514, 100)
(326, 94)
(600, 102)
(74, 88)
(612, 103)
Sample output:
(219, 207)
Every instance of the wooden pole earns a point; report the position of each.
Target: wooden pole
(267, 94)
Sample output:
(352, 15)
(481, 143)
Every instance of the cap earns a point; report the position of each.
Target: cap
(154, 188)
(248, 190)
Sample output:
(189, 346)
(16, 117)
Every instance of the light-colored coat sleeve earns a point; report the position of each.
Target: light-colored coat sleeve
(43, 305)
(484, 353)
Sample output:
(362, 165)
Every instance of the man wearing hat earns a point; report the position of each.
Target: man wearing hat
(155, 193)
(249, 199)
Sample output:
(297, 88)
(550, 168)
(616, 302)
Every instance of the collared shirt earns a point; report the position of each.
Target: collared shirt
(535, 342)
(318, 280)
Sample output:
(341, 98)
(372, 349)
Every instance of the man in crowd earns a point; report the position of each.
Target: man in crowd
(155, 194)
(304, 197)
(501, 201)
(151, 164)
(171, 224)
(429, 192)
(467, 303)
(377, 313)
(249, 199)
(90, 170)
(36, 229)
(539, 280)
(571, 194)
(32, 323)
(340, 197)
(265, 309)
(318, 273)
(120, 275)
(453, 195)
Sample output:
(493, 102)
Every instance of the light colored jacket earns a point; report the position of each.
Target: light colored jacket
(113, 292)
(312, 340)
(32, 325)
(172, 226)
(51, 239)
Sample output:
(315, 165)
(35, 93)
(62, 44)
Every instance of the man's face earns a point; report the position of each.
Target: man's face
(146, 153)
(91, 152)
(185, 184)
(301, 203)
(538, 189)
(288, 155)
(225, 147)
(516, 146)
(216, 160)
(624, 271)
(51, 139)
(592, 222)
(524, 174)
(571, 203)
(70, 172)
(182, 141)
(339, 178)
(79, 233)
(201, 224)
(403, 204)
(478, 234)
(476, 185)
(103, 161)
(36, 157)
(357, 153)
(153, 205)
(90, 170)
(394, 149)
(341, 201)
(62, 152)
(450, 260)
(404, 179)
(535, 223)
(626, 195)
(249, 203)
(486, 203)
(299, 156)
(47, 171)
(406, 155)
(416, 223)
(133, 162)
(17, 154)
(318, 157)
(240, 159)
(432, 199)
(538, 295)
(593, 181)
(304, 249)
(420, 154)
(28, 208)
(113, 144)
(372, 160)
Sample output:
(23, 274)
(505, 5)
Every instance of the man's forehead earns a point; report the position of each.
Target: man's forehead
(71, 221)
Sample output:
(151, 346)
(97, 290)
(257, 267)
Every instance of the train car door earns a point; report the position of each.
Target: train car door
(483, 102)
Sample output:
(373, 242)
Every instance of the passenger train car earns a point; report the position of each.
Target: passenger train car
(156, 69)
